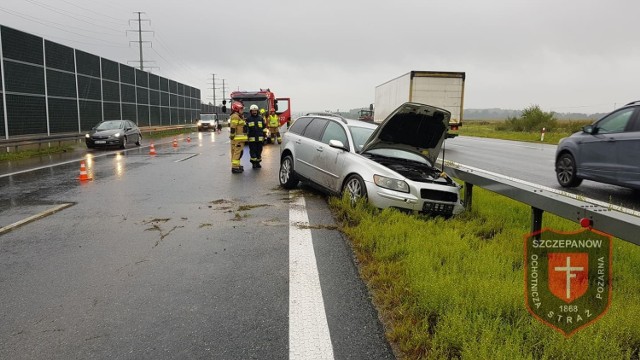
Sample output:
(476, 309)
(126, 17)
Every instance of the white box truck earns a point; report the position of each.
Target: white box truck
(441, 89)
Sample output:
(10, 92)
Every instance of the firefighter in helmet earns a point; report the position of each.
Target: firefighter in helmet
(237, 135)
(274, 125)
(256, 126)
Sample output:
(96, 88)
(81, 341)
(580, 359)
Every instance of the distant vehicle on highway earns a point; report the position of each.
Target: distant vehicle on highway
(207, 122)
(393, 165)
(606, 151)
(113, 133)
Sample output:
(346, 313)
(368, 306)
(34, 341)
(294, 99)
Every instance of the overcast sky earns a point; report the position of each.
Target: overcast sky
(565, 55)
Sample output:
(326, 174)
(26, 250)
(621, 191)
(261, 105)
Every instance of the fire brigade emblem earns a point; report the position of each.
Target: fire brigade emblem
(567, 277)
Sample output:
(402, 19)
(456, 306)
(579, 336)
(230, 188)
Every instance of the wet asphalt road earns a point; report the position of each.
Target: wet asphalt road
(167, 257)
(530, 162)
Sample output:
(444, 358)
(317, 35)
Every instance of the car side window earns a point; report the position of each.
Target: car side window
(616, 122)
(315, 129)
(335, 132)
(299, 125)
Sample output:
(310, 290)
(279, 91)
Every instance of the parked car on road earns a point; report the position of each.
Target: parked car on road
(393, 164)
(113, 133)
(606, 151)
(207, 122)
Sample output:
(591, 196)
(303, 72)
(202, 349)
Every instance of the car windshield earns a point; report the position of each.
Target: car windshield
(207, 117)
(399, 154)
(110, 125)
(360, 136)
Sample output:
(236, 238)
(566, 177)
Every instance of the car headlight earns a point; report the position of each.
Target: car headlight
(116, 135)
(87, 136)
(198, 123)
(391, 184)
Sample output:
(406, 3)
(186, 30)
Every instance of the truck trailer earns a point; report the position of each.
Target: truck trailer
(441, 89)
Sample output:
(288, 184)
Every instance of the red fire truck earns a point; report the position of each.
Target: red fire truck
(265, 99)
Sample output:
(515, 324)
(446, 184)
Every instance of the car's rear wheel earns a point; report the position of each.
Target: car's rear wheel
(286, 176)
(566, 170)
(355, 187)
(124, 143)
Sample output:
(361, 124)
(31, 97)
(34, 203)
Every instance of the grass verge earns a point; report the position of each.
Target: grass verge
(25, 154)
(493, 129)
(450, 289)
(165, 133)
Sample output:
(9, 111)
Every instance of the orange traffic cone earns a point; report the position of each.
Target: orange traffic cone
(152, 150)
(188, 139)
(175, 142)
(83, 172)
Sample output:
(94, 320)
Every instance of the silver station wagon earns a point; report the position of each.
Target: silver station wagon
(393, 164)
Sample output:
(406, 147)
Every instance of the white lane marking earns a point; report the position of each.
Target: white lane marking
(187, 158)
(93, 156)
(35, 217)
(309, 336)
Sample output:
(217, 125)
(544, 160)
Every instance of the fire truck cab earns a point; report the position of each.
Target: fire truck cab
(265, 99)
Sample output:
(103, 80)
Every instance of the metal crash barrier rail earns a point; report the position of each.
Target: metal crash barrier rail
(619, 222)
(40, 140)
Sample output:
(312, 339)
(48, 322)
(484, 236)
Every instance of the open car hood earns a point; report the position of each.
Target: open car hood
(417, 128)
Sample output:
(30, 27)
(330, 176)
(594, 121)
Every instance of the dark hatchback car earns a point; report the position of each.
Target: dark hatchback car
(113, 133)
(606, 151)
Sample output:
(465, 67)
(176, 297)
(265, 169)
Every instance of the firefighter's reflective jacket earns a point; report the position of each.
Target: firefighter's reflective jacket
(237, 126)
(274, 121)
(256, 127)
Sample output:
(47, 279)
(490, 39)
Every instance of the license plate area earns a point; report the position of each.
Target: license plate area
(437, 208)
(100, 141)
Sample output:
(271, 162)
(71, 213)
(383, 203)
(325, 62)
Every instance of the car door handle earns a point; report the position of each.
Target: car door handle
(298, 142)
(320, 149)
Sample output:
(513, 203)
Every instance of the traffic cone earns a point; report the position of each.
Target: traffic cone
(152, 150)
(175, 143)
(83, 172)
(188, 139)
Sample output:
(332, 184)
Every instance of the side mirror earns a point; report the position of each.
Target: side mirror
(127, 129)
(337, 144)
(590, 129)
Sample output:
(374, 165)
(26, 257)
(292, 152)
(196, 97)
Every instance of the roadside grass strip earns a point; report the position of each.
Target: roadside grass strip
(492, 129)
(455, 288)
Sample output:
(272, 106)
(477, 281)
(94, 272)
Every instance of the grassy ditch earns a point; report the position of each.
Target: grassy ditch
(164, 133)
(29, 153)
(498, 130)
(453, 288)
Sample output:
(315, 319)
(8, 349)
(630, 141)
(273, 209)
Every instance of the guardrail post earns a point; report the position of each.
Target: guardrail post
(536, 220)
(468, 195)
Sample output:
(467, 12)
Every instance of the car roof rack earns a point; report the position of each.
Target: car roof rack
(633, 102)
(328, 114)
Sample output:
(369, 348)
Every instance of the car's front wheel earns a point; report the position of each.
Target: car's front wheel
(139, 138)
(566, 170)
(355, 187)
(286, 176)
(124, 143)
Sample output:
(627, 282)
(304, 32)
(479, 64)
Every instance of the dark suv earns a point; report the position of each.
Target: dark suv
(606, 151)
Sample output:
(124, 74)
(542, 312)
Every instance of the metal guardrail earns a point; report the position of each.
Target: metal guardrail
(59, 138)
(608, 219)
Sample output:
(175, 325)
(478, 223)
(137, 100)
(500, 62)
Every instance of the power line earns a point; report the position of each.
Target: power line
(119, 21)
(71, 16)
(178, 61)
(40, 21)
